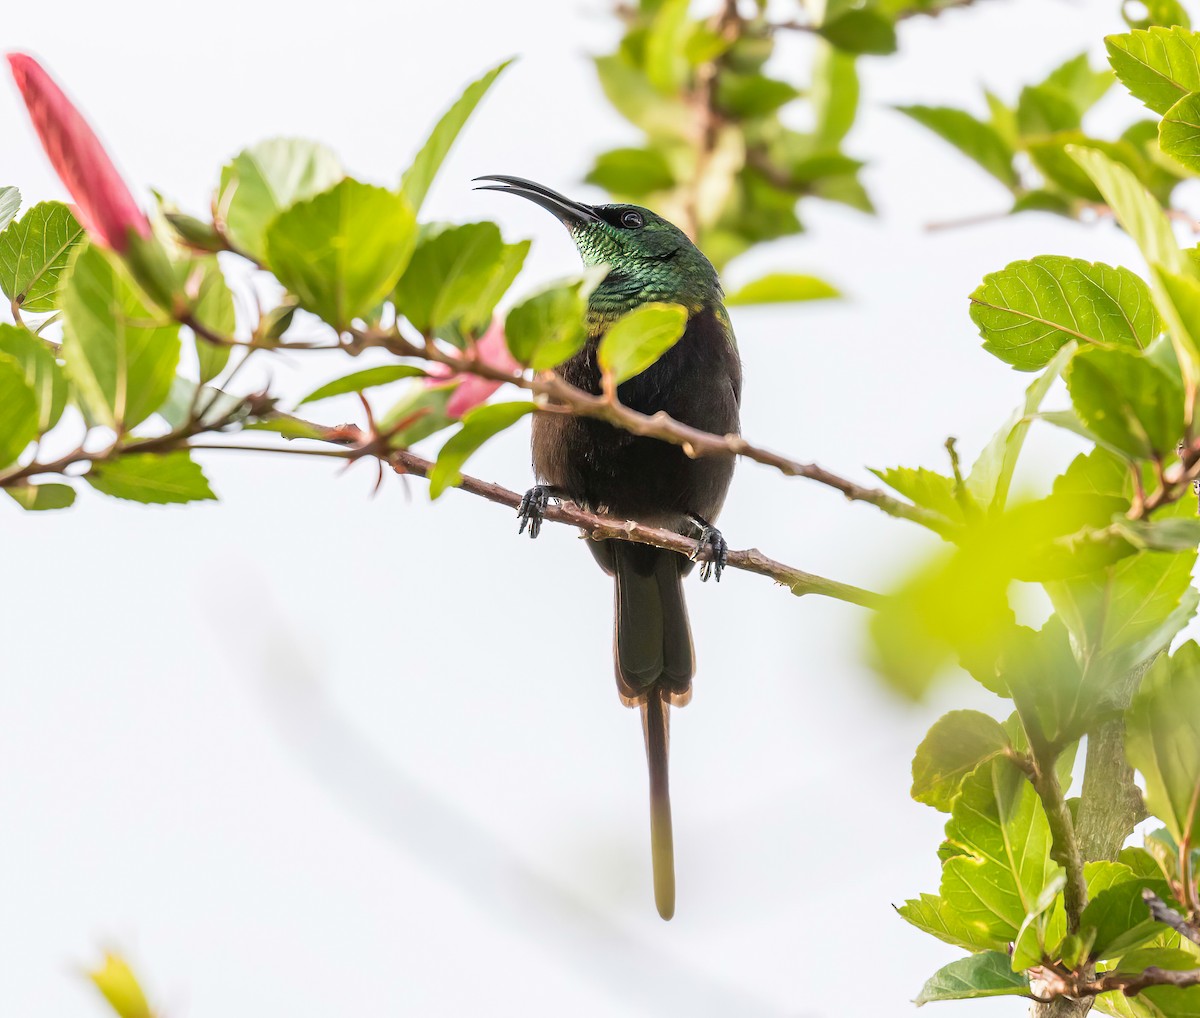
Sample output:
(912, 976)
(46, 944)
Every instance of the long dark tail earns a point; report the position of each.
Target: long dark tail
(654, 665)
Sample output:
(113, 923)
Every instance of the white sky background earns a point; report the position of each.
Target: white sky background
(304, 753)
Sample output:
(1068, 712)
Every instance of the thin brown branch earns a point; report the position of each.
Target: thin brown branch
(1161, 912)
(599, 527)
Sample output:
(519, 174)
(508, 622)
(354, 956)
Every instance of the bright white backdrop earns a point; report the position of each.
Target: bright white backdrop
(304, 753)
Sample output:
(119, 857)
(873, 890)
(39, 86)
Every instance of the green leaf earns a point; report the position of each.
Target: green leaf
(40, 497)
(10, 205)
(342, 251)
(34, 251)
(1128, 400)
(478, 426)
(18, 411)
(1043, 109)
(931, 914)
(1120, 918)
(1029, 310)
(151, 478)
(360, 380)
(972, 137)
(747, 96)
(639, 338)
(41, 371)
(1179, 132)
(957, 743)
(631, 172)
(666, 60)
(1159, 66)
(782, 288)
(987, 974)
(419, 177)
(998, 824)
(548, 327)
(419, 413)
(1163, 740)
(833, 95)
(639, 102)
(451, 278)
(268, 178)
(1136, 210)
(1044, 927)
(861, 30)
(120, 353)
(213, 308)
(991, 474)
(1157, 12)
(925, 488)
(1076, 80)
(1160, 534)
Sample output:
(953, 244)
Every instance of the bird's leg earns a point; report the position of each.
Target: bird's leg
(711, 536)
(533, 507)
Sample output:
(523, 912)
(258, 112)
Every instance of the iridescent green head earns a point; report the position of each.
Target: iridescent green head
(648, 258)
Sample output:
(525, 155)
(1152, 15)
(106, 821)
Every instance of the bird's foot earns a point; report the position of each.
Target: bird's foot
(533, 508)
(711, 538)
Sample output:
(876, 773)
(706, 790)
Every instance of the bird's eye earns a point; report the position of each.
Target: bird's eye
(631, 220)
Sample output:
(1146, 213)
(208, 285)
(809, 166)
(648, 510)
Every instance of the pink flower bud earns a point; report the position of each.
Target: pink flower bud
(473, 390)
(104, 204)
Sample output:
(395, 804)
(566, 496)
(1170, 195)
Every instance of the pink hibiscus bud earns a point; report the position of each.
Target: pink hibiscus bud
(104, 204)
(472, 390)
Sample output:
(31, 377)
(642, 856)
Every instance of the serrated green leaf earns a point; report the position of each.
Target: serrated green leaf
(1076, 80)
(41, 371)
(41, 497)
(151, 478)
(18, 411)
(342, 251)
(782, 288)
(972, 137)
(1120, 918)
(268, 178)
(548, 327)
(120, 353)
(639, 338)
(925, 488)
(34, 251)
(419, 177)
(1029, 310)
(998, 822)
(478, 426)
(1128, 400)
(10, 205)
(957, 743)
(1179, 132)
(451, 278)
(1159, 66)
(931, 914)
(987, 974)
(361, 380)
(1163, 740)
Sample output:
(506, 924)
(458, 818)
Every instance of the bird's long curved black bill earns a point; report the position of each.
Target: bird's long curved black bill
(572, 213)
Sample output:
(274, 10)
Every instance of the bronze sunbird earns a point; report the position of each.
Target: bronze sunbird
(604, 469)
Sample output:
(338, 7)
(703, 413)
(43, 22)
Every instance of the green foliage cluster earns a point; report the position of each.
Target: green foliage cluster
(1112, 544)
(1025, 144)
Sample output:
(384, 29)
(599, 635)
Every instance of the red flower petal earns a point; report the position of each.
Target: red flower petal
(106, 207)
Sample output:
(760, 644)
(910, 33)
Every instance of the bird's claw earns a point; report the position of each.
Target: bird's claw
(532, 509)
(711, 537)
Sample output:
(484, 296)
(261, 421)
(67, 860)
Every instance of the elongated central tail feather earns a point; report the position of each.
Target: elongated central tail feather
(654, 665)
(656, 724)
